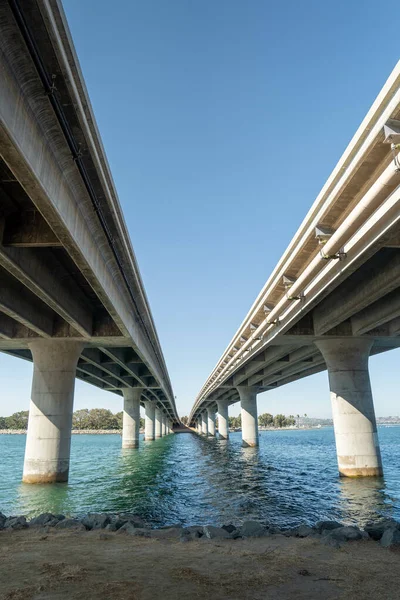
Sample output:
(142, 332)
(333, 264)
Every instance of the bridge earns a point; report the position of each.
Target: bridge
(332, 300)
(71, 296)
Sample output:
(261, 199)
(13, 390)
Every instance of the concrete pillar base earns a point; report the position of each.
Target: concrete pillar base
(131, 417)
(204, 426)
(158, 423)
(211, 421)
(357, 443)
(149, 429)
(248, 402)
(48, 441)
(223, 420)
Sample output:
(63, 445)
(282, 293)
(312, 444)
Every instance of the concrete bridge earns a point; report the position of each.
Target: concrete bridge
(332, 300)
(71, 296)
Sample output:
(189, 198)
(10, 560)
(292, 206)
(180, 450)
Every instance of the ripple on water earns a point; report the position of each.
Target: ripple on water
(291, 478)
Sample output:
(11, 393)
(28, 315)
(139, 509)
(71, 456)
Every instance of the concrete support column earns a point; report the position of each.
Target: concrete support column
(158, 426)
(357, 443)
(211, 421)
(48, 441)
(131, 417)
(204, 427)
(223, 420)
(199, 426)
(248, 402)
(164, 425)
(149, 429)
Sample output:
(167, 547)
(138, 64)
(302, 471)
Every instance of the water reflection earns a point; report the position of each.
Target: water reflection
(361, 498)
(291, 478)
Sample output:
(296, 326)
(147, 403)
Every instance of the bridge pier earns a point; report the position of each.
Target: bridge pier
(131, 417)
(211, 421)
(158, 422)
(149, 427)
(204, 427)
(48, 441)
(357, 443)
(163, 425)
(248, 402)
(223, 420)
(198, 426)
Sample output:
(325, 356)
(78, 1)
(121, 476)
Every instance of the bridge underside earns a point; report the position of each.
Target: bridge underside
(366, 305)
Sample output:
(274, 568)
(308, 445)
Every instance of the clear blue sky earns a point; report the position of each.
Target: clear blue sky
(222, 120)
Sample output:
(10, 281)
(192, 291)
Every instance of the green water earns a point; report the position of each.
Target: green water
(290, 478)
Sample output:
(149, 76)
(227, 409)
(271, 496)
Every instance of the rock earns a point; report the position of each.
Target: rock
(252, 529)
(344, 534)
(187, 536)
(70, 524)
(96, 521)
(272, 530)
(212, 532)
(3, 519)
(132, 530)
(119, 520)
(390, 537)
(322, 526)
(167, 533)
(15, 523)
(304, 531)
(229, 528)
(193, 532)
(42, 520)
(131, 518)
(376, 530)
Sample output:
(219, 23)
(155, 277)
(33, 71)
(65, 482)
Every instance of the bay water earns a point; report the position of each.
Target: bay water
(290, 479)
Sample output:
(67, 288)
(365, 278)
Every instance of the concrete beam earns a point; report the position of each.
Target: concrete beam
(378, 277)
(20, 304)
(379, 313)
(45, 277)
(28, 229)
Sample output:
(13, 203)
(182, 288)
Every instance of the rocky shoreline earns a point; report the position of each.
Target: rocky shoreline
(331, 533)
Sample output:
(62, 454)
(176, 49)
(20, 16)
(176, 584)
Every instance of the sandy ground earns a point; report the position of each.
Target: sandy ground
(87, 565)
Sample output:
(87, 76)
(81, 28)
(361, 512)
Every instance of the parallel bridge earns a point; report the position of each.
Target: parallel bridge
(332, 300)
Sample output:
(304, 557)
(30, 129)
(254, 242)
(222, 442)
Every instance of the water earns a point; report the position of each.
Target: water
(291, 478)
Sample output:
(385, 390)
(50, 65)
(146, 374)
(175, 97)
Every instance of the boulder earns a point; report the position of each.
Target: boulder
(252, 529)
(304, 531)
(70, 524)
(229, 528)
(344, 534)
(131, 518)
(167, 533)
(390, 537)
(212, 532)
(42, 520)
(377, 529)
(15, 523)
(119, 520)
(129, 528)
(322, 526)
(96, 521)
(3, 519)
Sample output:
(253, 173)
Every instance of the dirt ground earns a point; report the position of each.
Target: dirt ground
(88, 565)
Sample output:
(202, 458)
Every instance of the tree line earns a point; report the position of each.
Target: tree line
(85, 418)
(264, 420)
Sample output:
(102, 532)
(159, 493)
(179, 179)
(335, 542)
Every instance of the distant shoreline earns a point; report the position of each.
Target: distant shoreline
(74, 431)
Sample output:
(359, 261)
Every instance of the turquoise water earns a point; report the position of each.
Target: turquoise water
(291, 478)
